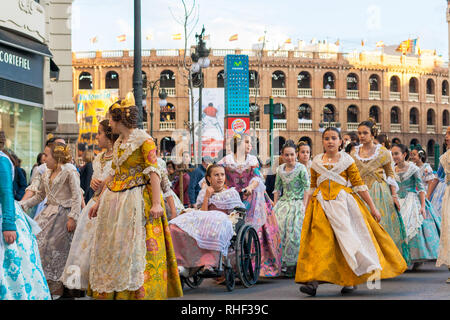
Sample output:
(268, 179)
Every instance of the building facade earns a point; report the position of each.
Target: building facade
(35, 75)
(408, 96)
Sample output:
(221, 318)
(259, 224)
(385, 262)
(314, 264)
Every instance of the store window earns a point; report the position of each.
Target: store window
(22, 125)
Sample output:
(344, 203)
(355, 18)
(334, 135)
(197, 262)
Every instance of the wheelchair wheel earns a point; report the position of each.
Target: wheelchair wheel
(193, 281)
(248, 255)
(229, 279)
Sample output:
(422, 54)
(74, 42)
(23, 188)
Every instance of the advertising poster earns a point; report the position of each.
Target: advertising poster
(213, 112)
(92, 106)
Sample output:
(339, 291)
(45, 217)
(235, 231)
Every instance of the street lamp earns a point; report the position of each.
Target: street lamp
(152, 85)
(200, 61)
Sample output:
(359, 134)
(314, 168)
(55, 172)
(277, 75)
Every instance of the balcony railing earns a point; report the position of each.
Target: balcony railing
(413, 128)
(394, 96)
(444, 99)
(413, 96)
(329, 93)
(171, 92)
(255, 125)
(304, 92)
(279, 124)
(253, 92)
(375, 95)
(329, 124)
(430, 98)
(352, 126)
(279, 92)
(396, 127)
(431, 128)
(169, 125)
(352, 94)
(112, 54)
(304, 126)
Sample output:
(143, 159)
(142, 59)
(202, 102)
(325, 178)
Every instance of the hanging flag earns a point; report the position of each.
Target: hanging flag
(415, 46)
(261, 39)
(206, 37)
(380, 44)
(122, 38)
(289, 40)
(233, 37)
(176, 36)
(362, 43)
(94, 39)
(404, 47)
(337, 42)
(149, 37)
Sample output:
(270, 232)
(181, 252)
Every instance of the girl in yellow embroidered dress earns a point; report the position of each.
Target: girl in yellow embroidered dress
(132, 255)
(341, 241)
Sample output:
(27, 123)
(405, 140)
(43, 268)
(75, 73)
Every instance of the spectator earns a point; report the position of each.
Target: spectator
(39, 161)
(181, 185)
(196, 176)
(86, 175)
(20, 178)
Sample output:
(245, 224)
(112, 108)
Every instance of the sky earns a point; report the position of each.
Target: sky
(350, 21)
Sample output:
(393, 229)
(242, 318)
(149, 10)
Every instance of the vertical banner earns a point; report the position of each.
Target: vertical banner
(213, 113)
(92, 107)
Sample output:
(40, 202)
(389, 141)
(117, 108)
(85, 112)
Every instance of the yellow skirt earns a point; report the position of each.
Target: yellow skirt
(161, 278)
(321, 259)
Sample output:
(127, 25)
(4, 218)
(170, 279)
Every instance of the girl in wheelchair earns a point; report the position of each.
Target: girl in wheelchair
(199, 236)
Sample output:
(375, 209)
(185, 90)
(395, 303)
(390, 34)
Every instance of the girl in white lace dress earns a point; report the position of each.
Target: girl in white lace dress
(76, 271)
(61, 185)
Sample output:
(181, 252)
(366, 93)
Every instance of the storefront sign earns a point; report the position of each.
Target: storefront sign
(20, 66)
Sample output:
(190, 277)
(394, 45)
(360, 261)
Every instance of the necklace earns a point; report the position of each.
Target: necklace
(104, 158)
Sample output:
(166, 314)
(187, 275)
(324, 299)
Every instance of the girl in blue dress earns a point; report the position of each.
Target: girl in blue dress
(21, 275)
(423, 227)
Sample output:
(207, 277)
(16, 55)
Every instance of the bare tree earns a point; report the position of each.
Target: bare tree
(188, 19)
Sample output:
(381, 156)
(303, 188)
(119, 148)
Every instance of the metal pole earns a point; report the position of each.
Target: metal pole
(271, 130)
(199, 147)
(137, 77)
(151, 110)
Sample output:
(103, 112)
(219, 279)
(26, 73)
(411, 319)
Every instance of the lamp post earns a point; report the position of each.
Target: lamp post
(200, 61)
(152, 85)
(137, 77)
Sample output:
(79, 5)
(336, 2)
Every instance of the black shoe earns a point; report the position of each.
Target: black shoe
(348, 289)
(66, 295)
(308, 289)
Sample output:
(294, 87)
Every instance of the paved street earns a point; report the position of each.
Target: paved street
(426, 283)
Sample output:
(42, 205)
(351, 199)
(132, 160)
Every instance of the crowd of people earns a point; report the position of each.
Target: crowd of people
(127, 224)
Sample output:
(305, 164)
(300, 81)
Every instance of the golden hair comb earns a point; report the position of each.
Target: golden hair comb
(125, 103)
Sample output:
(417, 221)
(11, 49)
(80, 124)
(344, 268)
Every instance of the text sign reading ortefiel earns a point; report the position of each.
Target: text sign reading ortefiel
(20, 66)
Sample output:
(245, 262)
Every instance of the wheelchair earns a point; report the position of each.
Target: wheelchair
(247, 258)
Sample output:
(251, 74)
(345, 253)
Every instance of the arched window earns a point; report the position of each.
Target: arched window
(329, 80)
(395, 115)
(352, 114)
(282, 115)
(374, 112)
(253, 79)
(167, 144)
(304, 112)
(85, 81)
(414, 142)
(374, 83)
(254, 113)
(413, 85)
(144, 79)
(394, 84)
(445, 118)
(112, 80)
(414, 116)
(278, 80)
(304, 80)
(352, 81)
(329, 113)
(278, 144)
(445, 88)
(430, 86)
(396, 141)
(167, 79)
(430, 148)
(430, 117)
(307, 140)
(221, 79)
(167, 113)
